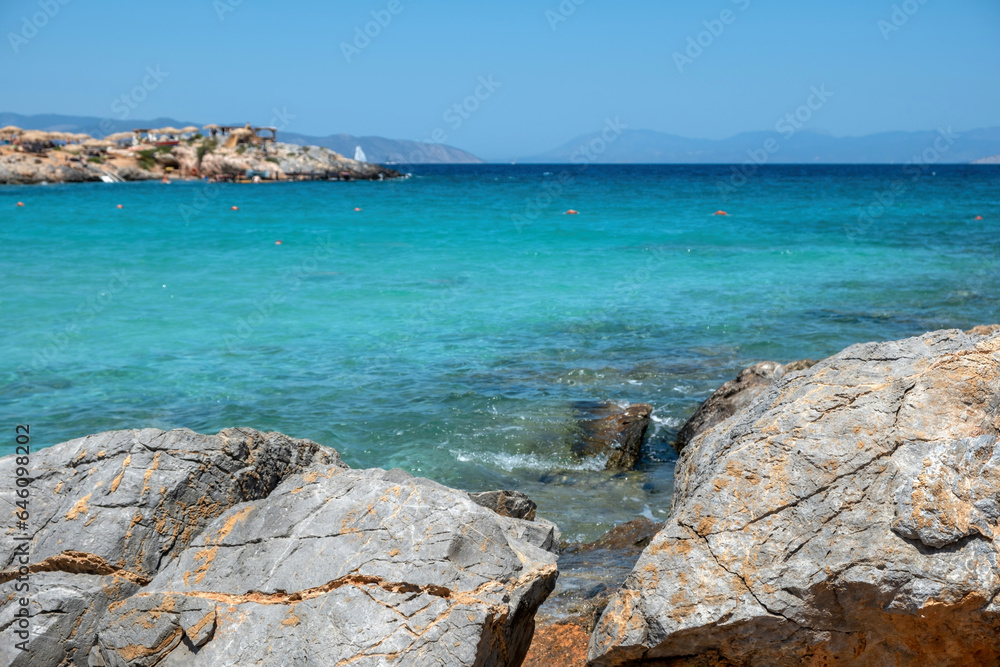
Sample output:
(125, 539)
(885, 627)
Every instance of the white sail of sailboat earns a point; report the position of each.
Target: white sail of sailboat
(359, 155)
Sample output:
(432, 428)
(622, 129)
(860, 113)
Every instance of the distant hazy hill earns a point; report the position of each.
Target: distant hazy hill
(377, 149)
(647, 146)
(386, 151)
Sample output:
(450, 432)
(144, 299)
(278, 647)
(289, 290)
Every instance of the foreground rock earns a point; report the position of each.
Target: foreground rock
(251, 548)
(616, 433)
(848, 515)
(734, 396)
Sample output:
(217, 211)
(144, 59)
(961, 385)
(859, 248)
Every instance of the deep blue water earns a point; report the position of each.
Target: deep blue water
(451, 326)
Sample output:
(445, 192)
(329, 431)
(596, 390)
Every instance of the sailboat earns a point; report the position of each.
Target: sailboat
(359, 155)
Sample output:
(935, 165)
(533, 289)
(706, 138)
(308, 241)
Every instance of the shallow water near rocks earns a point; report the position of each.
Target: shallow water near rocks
(451, 327)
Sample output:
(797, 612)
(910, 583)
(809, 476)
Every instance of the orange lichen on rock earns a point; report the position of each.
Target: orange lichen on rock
(79, 508)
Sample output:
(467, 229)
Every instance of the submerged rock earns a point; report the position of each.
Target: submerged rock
(847, 515)
(507, 503)
(734, 396)
(618, 434)
(251, 548)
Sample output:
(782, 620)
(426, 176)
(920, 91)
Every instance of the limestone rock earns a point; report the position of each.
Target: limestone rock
(983, 330)
(618, 434)
(169, 548)
(109, 510)
(734, 396)
(847, 515)
(365, 567)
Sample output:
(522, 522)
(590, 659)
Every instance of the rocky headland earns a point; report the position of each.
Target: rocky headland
(195, 158)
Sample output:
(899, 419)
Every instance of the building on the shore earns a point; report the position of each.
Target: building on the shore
(9, 134)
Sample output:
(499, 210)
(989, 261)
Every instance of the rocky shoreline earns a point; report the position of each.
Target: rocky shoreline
(844, 511)
(188, 160)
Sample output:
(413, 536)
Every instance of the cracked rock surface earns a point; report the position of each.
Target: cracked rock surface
(847, 515)
(173, 548)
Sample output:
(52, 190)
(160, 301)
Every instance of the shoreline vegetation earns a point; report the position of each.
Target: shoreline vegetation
(213, 153)
(875, 501)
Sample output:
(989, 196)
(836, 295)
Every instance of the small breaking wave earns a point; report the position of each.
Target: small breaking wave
(533, 462)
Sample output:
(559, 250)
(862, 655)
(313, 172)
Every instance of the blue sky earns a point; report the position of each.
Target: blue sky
(555, 69)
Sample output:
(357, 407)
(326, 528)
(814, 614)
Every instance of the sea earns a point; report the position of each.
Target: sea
(457, 323)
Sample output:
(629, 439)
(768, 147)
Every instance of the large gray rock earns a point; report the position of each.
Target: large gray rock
(848, 515)
(151, 547)
(734, 396)
(108, 511)
(365, 567)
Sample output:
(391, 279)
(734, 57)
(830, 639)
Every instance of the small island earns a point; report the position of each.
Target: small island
(217, 153)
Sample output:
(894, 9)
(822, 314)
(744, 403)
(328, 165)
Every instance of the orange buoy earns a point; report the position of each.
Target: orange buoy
(277, 243)
(978, 217)
(720, 213)
(571, 212)
(357, 208)
(234, 208)
(165, 180)
(20, 203)
(119, 206)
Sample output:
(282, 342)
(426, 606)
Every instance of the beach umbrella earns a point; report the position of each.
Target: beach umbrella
(210, 126)
(119, 136)
(32, 137)
(78, 136)
(35, 135)
(97, 143)
(10, 131)
(189, 129)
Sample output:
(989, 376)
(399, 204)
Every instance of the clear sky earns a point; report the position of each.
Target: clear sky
(559, 68)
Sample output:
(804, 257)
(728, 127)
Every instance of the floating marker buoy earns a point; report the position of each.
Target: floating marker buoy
(571, 212)
(357, 208)
(720, 213)
(165, 180)
(277, 243)
(978, 217)
(20, 203)
(119, 206)
(234, 208)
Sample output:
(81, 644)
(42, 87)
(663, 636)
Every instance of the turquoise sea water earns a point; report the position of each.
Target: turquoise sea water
(452, 327)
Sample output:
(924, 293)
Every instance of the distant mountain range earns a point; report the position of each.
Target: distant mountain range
(377, 149)
(623, 146)
(801, 147)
